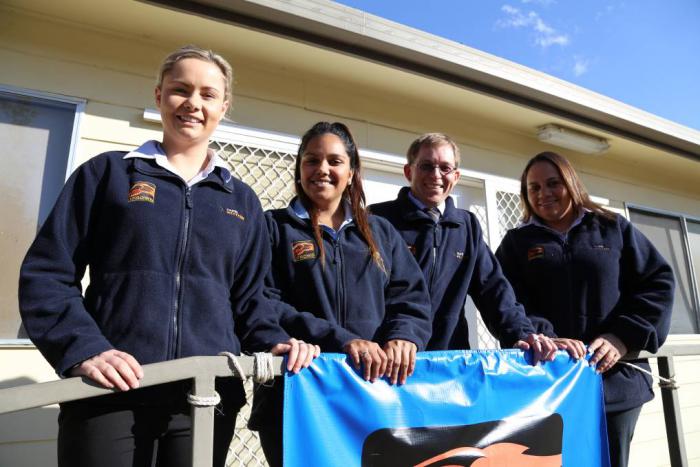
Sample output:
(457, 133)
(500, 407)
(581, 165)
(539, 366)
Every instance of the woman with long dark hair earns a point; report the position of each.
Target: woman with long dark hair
(332, 259)
(586, 276)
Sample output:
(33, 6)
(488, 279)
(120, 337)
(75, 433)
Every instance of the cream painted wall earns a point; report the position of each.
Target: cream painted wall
(115, 74)
(27, 438)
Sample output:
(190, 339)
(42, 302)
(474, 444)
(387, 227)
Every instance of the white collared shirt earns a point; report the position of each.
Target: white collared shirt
(534, 220)
(440, 207)
(302, 213)
(154, 150)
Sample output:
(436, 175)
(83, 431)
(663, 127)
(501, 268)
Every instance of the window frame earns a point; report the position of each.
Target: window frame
(71, 161)
(690, 267)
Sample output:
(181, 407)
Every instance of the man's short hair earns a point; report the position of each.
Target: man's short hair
(431, 140)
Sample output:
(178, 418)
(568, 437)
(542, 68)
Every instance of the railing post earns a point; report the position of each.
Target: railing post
(202, 423)
(672, 415)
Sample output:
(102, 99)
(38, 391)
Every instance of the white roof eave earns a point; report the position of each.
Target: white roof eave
(351, 31)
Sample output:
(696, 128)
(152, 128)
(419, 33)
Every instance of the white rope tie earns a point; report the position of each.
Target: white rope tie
(263, 369)
(664, 383)
(236, 365)
(204, 401)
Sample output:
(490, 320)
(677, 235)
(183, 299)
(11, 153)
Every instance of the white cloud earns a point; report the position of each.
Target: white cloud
(580, 66)
(539, 2)
(545, 35)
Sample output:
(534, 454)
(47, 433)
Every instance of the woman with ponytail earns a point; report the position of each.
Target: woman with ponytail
(332, 259)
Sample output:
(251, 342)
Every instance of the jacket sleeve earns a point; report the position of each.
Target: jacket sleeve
(408, 313)
(256, 317)
(494, 296)
(301, 324)
(642, 318)
(507, 255)
(50, 294)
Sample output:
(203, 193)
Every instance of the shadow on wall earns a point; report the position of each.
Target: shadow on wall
(28, 438)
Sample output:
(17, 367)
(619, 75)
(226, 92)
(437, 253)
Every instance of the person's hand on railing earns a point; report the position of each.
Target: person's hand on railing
(543, 348)
(401, 362)
(607, 349)
(369, 355)
(299, 353)
(112, 368)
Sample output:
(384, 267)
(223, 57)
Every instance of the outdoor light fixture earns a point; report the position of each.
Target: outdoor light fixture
(572, 139)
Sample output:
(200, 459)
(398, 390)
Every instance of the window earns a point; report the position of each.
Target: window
(677, 237)
(36, 133)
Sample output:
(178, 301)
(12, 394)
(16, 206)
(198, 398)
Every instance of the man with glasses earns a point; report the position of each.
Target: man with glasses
(448, 244)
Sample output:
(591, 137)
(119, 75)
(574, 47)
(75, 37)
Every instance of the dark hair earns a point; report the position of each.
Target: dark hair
(432, 140)
(353, 192)
(579, 196)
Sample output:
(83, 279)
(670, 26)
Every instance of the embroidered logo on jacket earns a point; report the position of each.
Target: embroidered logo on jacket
(459, 255)
(234, 213)
(302, 250)
(601, 247)
(535, 252)
(412, 249)
(143, 191)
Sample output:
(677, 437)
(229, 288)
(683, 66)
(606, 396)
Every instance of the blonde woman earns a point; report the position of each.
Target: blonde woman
(177, 252)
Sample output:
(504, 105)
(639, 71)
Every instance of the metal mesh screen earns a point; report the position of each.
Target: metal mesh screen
(509, 213)
(480, 213)
(245, 447)
(271, 174)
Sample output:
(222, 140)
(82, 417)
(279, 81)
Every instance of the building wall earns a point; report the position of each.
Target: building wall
(115, 74)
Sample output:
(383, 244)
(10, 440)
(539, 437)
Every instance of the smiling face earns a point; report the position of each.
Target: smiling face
(192, 102)
(325, 171)
(548, 196)
(432, 174)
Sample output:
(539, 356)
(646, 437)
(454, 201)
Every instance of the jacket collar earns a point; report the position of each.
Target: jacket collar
(412, 213)
(298, 213)
(145, 161)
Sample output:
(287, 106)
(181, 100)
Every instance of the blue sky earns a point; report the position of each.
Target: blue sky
(645, 53)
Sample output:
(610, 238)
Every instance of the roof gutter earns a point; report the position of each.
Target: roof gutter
(339, 28)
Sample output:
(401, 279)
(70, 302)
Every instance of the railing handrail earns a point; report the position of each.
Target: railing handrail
(53, 392)
(668, 350)
(203, 371)
(41, 394)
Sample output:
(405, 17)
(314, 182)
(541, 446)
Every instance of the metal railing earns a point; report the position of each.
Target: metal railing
(204, 370)
(669, 396)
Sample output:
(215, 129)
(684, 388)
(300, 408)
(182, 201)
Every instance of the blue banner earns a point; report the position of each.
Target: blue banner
(460, 408)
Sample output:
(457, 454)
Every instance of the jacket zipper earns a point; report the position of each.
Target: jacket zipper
(339, 283)
(434, 256)
(177, 302)
(566, 249)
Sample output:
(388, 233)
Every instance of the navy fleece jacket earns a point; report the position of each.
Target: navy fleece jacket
(355, 298)
(604, 277)
(456, 261)
(348, 298)
(174, 271)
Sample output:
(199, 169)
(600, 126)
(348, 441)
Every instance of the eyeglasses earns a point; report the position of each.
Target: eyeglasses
(429, 168)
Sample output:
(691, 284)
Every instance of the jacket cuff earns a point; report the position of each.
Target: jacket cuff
(72, 359)
(410, 338)
(635, 339)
